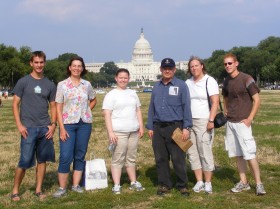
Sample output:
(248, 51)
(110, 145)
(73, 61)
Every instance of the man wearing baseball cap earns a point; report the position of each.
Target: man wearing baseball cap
(169, 109)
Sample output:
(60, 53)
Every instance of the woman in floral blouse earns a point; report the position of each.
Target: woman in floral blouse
(75, 98)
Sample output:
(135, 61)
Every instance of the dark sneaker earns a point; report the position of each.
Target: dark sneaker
(260, 189)
(184, 192)
(162, 190)
(239, 187)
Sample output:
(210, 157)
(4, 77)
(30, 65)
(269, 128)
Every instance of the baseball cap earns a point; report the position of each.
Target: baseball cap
(167, 62)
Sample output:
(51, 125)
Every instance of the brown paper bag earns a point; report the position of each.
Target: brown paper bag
(177, 137)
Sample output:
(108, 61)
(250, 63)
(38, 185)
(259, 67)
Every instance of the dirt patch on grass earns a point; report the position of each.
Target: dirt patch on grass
(268, 155)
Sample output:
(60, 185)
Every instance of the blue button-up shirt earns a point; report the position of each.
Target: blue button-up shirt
(170, 103)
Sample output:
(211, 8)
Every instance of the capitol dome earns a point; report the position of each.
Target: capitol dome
(142, 50)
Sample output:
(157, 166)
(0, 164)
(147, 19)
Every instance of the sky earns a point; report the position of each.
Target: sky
(106, 30)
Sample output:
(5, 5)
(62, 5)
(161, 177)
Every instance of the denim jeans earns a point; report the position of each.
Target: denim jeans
(36, 144)
(74, 149)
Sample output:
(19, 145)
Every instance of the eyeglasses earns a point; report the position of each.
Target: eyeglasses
(228, 63)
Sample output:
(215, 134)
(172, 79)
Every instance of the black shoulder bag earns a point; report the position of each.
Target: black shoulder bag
(220, 119)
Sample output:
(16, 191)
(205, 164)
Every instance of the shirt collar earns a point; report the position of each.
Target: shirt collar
(69, 81)
(172, 82)
(203, 78)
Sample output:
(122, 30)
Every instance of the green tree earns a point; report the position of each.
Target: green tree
(109, 68)
(66, 57)
(214, 65)
(181, 74)
(271, 45)
(12, 66)
(56, 68)
(254, 60)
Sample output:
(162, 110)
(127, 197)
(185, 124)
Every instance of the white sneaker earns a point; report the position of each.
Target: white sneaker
(59, 192)
(239, 187)
(137, 186)
(208, 187)
(198, 187)
(116, 189)
(260, 189)
(77, 189)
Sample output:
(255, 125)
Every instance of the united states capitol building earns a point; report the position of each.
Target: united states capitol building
(142, 66)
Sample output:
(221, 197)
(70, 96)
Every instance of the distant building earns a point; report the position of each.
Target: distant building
(142, 66)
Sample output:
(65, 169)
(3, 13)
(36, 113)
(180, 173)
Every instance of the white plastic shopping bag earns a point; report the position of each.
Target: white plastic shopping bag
(95, 174)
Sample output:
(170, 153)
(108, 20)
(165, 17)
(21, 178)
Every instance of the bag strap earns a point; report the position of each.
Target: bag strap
(208, 98)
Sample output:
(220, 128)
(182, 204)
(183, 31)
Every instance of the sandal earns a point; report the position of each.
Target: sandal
(15, 197)
(41, 195)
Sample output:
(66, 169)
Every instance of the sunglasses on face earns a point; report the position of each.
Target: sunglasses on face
(228, 63)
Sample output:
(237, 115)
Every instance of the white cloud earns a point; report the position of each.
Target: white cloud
(59, 10)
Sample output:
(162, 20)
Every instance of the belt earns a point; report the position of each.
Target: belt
(164, 124)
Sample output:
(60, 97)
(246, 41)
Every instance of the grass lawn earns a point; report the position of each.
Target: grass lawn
(266, 131)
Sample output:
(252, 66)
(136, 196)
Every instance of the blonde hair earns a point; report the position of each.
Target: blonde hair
(230, 55)
(199, 60)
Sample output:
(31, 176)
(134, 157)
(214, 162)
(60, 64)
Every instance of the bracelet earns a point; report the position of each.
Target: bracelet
(54, 123)
(210, 121)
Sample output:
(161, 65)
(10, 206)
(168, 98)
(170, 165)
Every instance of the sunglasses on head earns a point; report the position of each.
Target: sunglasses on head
(228, 63)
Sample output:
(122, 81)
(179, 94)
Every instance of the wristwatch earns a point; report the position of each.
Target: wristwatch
(210, 121)
(55, 123)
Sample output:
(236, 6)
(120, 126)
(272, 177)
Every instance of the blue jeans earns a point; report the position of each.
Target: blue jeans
(74, 149)
(36, 144)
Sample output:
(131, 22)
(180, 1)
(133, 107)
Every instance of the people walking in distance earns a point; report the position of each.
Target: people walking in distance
(169, 109)
(202, 133)
(241, 103)
(33, 94)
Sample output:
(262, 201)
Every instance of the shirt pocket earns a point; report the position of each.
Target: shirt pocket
(173, 100)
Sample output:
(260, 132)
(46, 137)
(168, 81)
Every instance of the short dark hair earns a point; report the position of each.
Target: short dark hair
(199, 60)
(79, 59)
(38, 54)
(122, 70)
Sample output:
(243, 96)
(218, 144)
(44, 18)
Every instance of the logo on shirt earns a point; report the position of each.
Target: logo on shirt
(173, 90)
(37, 90)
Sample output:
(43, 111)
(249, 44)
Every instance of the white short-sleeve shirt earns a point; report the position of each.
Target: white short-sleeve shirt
(123, 104)
(199, 101)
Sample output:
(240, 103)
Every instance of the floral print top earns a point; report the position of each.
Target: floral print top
(75, 101)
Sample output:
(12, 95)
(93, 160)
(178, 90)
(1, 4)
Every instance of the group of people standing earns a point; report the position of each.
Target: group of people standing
(174, 104)
(70, 105)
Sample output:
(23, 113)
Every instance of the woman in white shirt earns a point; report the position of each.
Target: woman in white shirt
(124, 123)
(200, 154)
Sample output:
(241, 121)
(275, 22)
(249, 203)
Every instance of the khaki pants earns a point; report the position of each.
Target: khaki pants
(200, 153)
(125, 152)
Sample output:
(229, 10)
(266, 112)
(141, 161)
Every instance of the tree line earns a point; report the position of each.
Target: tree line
(261, 61)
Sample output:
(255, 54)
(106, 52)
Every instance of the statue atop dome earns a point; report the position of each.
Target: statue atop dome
(142, 50)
